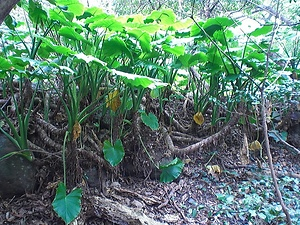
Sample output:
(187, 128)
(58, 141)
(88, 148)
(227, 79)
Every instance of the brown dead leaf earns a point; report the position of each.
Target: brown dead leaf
(76, 131)
(113, 100)
(255, 146)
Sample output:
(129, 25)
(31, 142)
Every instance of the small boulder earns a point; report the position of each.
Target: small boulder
(17, 174)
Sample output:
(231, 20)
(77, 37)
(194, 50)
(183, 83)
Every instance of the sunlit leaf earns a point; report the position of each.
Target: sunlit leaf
(110, 24)
(99, 17)
(140, 81)
(165, 17)
(219, 21)
(171, 171)
(262, 30)
(143, 37)
(198, 118)
(176, 50)
(89, 58)
(67, 206)
(195, 29)
(113, 153)
(73, 6)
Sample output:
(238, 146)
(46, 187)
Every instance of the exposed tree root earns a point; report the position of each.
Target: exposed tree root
(46, 139)
(118, 213)
(211, 140)
(51, 128)
(93, 157)
(177, 136)
(176, 124)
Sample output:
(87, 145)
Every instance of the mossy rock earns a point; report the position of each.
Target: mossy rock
(17, 174)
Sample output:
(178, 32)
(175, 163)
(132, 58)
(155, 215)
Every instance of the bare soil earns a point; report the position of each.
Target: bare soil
(132, 189)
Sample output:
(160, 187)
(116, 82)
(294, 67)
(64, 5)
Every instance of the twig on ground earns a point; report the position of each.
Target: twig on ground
(285, 143)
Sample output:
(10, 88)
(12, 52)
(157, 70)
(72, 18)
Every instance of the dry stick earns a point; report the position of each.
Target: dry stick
(265, 130)
(285, 143)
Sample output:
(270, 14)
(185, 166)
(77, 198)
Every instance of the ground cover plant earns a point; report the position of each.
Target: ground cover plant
(185, 108)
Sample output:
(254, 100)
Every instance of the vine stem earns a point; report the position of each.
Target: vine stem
(265, 127)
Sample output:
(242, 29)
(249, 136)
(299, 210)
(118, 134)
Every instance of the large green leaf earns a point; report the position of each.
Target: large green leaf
(171, 171)
(99, 17)
(211, 26)
(89, 58)
(150, 120)
(220, 21)
(67, 206)
(115, 46)
(4, 64)
(188, 60)
(70, 33)
(111, 24)
(176, 50)
(113, 153)
(73, 6)
(143, 37)
(35, 12)
(47, 45)
(149, 28)
(58, 15)
(139, 81)
(165, 17)
(262, 30)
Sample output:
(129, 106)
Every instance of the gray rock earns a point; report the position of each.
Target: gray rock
(17, 174)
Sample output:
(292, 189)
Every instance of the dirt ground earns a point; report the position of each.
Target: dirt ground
(190, 199)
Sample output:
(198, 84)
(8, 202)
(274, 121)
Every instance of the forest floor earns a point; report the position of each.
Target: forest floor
(232, 192)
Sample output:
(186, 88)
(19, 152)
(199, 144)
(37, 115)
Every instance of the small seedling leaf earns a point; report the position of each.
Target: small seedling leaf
(171, 171)
(150, 120)
(67, 206)
(113, 153)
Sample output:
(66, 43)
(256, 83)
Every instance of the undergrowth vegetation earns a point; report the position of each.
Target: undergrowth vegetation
(100, 70)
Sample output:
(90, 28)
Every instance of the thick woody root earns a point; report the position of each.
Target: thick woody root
(205, 143)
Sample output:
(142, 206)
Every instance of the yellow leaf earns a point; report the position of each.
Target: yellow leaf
(198, 118)
(255, 146)
(113, 100)
(76, 130)
(213, 169)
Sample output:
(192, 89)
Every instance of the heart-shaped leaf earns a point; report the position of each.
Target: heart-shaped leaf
(171, 171)
(150, 120)
(67, 206)
(113, 153)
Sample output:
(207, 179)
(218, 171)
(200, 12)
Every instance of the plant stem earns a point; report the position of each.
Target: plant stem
(265, 130)
(64, 158)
